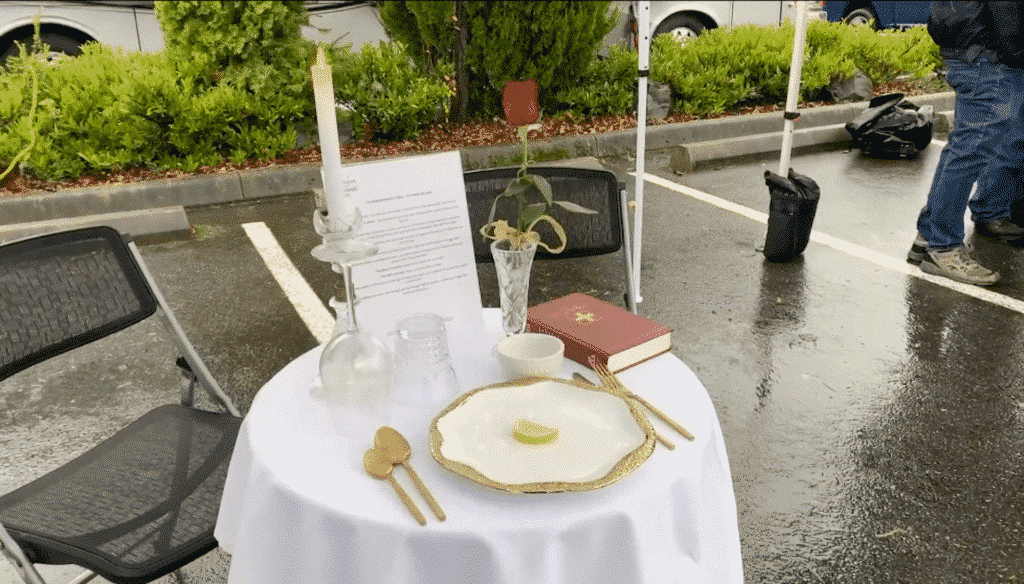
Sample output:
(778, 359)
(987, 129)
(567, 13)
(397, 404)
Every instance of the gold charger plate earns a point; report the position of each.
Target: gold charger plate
(601, 437)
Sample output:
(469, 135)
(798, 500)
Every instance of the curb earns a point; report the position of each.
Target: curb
(130, 223)
(824, 128)
(186, 192)
(693, 144)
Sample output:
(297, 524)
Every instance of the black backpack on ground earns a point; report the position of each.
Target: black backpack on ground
(892, 127)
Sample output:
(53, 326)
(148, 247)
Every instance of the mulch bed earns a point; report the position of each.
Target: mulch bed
(440, 137)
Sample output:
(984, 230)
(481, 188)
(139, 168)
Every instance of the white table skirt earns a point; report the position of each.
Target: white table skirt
(299, 508)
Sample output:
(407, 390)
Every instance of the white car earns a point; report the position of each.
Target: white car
(66, 26)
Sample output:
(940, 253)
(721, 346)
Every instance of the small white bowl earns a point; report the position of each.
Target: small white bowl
(530, 354)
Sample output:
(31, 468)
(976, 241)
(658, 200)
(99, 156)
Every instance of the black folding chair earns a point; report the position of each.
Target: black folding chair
(587, 234)
(142, 503)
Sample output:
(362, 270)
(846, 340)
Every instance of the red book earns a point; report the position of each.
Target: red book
(588, 326)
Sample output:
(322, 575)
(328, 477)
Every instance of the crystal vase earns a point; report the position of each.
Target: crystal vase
(513, 269)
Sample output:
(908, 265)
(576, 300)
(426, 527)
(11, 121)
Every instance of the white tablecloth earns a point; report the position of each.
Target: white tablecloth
(299, 508)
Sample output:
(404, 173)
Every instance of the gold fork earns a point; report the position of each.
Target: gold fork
(609, 379)
(615, 391)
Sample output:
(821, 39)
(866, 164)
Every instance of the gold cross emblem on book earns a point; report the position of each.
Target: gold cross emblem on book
(585, 317)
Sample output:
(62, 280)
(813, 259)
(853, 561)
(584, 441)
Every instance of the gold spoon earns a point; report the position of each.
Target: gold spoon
(396, 449)
(380, 467)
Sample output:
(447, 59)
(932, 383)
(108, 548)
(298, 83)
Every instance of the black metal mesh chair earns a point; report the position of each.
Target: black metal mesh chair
(142, 503)
(587, 234)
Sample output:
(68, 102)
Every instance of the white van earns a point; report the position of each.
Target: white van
(66, 26)
(689, 19)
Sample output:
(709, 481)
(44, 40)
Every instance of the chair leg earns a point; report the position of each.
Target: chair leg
(12, 551)
(627, 252)
(84, 577)
(196, 364)
(189, 382)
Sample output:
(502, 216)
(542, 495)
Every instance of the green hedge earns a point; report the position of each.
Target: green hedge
(553, 43)
(256, 45)
(110, 110)
(726, 66)
(212, 96)
(389, 98)
(197, 104)
(606, 88)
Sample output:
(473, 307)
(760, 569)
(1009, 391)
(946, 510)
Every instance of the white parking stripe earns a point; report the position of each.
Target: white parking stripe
(898, 265)
(313, 312)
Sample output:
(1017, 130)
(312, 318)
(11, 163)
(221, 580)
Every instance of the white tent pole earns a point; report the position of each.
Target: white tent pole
(795, 68)
(644, 50)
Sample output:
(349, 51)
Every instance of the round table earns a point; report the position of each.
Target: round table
(298, 507)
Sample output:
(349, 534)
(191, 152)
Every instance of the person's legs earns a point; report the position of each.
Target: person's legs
(999, 184)
(981, 120)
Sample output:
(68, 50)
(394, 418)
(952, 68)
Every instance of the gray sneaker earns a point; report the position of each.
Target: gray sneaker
(918, 250)
(957, 264)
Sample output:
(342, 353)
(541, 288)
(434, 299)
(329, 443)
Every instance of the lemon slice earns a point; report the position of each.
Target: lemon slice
(529, 432)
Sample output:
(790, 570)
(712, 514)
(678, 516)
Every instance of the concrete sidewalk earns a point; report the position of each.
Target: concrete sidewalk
(158, 206)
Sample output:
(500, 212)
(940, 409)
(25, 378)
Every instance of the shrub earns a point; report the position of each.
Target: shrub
(83, 123)
(390, 99)
(883, 56)
(551, 42)
(110, 110)
(726, 66)
(232, 91)
(828, 54)
(837, 51)
(253, 47)
(257, 43)
(19, 129)
(703, 77)
(201, 103)
(607, 88)
(425, 27)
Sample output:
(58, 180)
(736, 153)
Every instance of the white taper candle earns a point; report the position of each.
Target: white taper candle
(336, 197)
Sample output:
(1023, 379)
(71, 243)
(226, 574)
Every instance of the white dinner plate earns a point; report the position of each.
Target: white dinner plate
(601, 437)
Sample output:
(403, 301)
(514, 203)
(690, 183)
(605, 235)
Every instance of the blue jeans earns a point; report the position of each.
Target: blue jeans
(986, 146)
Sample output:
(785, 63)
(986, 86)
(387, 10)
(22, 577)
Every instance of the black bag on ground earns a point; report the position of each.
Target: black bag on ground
(892, 127)
(794, 200)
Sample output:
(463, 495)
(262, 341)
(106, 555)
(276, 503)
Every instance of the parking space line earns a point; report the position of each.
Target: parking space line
(312, 311)
(898, 265)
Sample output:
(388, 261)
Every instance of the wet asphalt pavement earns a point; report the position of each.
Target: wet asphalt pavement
(874, 420)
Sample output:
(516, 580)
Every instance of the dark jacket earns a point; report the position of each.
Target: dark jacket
(970, 30)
